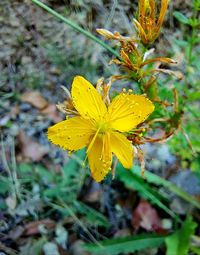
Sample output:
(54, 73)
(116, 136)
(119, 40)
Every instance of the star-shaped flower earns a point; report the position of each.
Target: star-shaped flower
(101, 128)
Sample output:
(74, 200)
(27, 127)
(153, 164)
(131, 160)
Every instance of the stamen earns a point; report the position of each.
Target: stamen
(93, 140)
(89, 147)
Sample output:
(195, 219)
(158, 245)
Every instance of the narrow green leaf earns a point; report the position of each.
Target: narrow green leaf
(71, 167)
(134, 182)
(179, 242)
(25, 168)
(125, 245)
(4, 185)
(91, 215)
(181, 43)
(53, 192)
(94, 217)
(45, 173)
(181, 18)
(194, 96)
(155, 179)
(64, 211)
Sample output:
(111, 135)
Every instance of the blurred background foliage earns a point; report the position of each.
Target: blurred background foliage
(49, 203)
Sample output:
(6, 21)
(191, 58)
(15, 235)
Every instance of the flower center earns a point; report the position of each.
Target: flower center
(103, 127)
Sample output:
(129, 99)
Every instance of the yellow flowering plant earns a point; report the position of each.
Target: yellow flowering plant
(101, 128)
(109, 126)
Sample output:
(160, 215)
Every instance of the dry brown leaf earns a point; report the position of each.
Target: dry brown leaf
(33, 228)
(146, 216)
(93, 194)
(34, 98)
(52, 113)
(31, 149)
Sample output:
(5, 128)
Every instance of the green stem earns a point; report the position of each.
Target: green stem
(195, 13)
(191, 44)
(75, 27)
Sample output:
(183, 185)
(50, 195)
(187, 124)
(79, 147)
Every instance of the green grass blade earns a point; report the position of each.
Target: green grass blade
(125, 244)
(76, 27)
(91, 215)
(134, 182)
(155, 179)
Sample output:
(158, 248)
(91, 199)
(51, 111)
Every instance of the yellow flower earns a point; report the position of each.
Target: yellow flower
(148, 24)
(99, 127)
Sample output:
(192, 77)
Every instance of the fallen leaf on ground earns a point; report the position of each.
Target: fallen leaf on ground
(146, 216)
(93, 194)
(31, 149)
(52, 113)
(34, 228)
(34, 98)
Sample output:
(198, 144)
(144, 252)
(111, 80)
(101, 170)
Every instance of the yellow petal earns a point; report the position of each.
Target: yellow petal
(87, 100)
(71, 134)
(122, 148)
(127, 111)
(100, 157)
